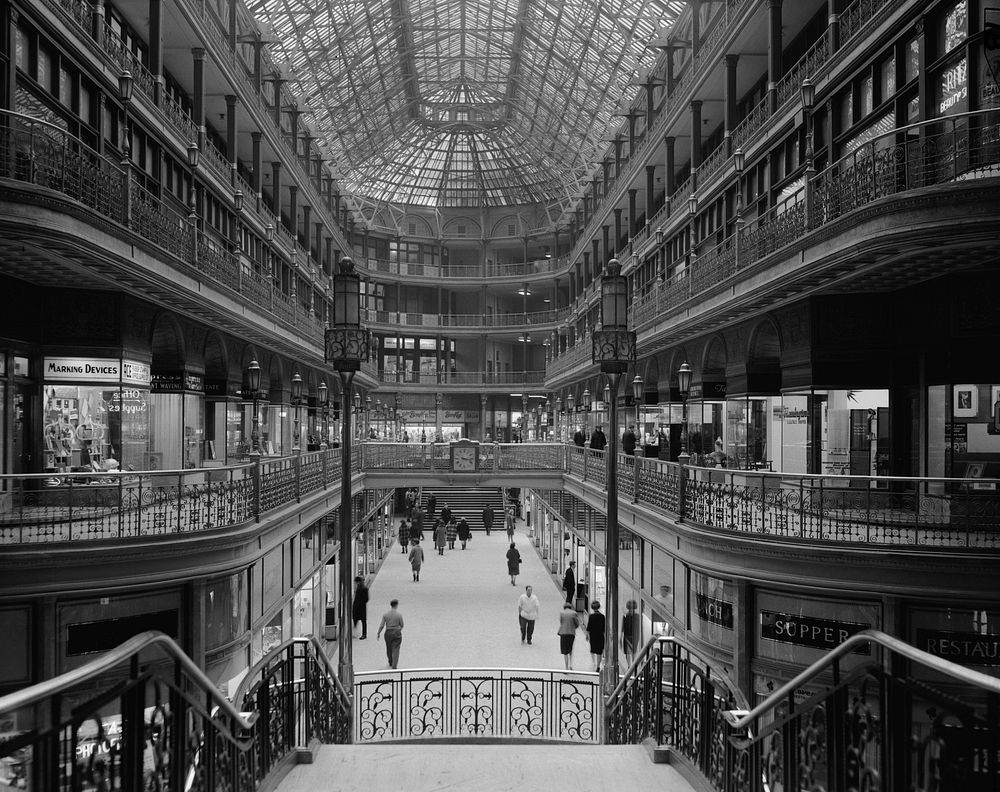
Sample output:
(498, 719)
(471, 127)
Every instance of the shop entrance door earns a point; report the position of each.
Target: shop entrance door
(21, 430)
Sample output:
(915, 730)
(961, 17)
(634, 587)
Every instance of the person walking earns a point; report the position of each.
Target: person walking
(404, 535)
(488, 519)
(579, 438)
(528, 608)
(569, 622)
(440, 534)
(596, 625)
(451, 532)
(464, 534)
(569, 582)
(629, 440)
(513, 564)
(416, 559)
(417, 524)
(432, 501)
(630, 631)
(509, 518)
(598, 442)
(411, 498)
(392, 623)
(446, 514)
(359, 606)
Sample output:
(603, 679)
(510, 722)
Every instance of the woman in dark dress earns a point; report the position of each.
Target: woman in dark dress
(513, 564)
(630, 631)
(596, 625)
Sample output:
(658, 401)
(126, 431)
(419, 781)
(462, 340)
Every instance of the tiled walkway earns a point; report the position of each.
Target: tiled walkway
(463, 611)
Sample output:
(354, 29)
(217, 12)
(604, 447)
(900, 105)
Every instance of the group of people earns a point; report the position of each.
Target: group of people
(597, 439)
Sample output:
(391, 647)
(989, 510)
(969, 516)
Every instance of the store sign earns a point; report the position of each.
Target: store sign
(714, 610)
(965, 648)
(72, 369)
(954, 89)
(176, 382)
(447, 416)
(708, 390)
(135, 373)
(809, 631)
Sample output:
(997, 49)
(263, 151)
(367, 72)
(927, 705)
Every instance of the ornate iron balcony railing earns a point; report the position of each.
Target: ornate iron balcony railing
(874, 713)
(497, 703)
(144, 716)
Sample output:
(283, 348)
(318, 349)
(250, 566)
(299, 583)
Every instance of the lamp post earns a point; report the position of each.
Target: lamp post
(296, 404)
(557, 421)
(368, 418)
(253, 382)
(357, 413)
(347, 346)
(661, 255)
(125, 85)
(739, 160)
(398, 399)
(684, 385)
(614, 350)
(324, 428)
(587, 401)
(636, 397)
(808, 91)
(570, 416)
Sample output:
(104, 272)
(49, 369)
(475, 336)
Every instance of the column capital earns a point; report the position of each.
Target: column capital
(198, 53)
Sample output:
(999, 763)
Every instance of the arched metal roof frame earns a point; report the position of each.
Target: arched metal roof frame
(471, 103)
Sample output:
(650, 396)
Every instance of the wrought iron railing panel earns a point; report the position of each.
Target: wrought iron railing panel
(278, 482)
(470, 703)
(597, 466)
(93, 506)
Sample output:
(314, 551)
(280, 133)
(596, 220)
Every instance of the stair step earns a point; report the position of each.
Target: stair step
(491, 767)
(469, 503)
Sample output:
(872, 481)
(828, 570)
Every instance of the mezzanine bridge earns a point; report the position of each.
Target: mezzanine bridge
(866, 510)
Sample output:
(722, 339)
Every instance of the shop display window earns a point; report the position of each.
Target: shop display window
(853, 432)
(226, 601)
(967, 636)
(302, 607)
(713, 610)
(963, 434)
(746, 437)
(93, 427)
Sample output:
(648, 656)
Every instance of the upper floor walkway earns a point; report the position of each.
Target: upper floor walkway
(845, 510)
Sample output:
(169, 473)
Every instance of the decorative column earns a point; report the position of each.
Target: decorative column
(774, 52)
(438, 431)
(729, 101)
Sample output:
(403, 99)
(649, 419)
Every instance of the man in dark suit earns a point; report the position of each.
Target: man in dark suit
(580, 438)
(628, 440)
(488, 519)
(569, 582)
(598, 442)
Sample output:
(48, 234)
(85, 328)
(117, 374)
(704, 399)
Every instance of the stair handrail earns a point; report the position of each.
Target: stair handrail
(122, 653)
(250, 678)
(742, 719)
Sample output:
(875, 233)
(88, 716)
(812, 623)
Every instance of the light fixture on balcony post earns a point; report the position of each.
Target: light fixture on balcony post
(614, 350)
(238, 200)
(739, 160)
(398, 399)
(557, 420)
(194, 156)
(269, 232)
(357, 413)
(368, 417)
(570, 416)
(808, 91)
(324, 404)
(125, 83)
(661, 255)
(347, 347)
(296, 406)
(586, 400)
(637, 397)
(253, 384)
(684, 386)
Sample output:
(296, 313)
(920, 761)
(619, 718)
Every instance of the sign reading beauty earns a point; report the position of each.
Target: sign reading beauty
(966, 648)
(809, 630)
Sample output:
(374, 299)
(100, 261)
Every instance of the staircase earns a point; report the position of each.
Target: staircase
(468, 503)
(434, 765)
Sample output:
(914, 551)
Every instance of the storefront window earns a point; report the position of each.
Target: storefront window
(746, 433)
(713, 605)
(88, 426)
(302, 607)
(226, 601)
(854, 432)
(956, 26)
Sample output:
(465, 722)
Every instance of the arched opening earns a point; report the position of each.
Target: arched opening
(176, 402)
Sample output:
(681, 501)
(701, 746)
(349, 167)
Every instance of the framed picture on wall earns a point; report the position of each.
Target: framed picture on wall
(965, 401)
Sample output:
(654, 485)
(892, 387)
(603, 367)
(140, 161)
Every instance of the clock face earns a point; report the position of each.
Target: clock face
(463, 459)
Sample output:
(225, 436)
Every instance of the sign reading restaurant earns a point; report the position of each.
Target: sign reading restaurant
(82, 369)
(966, 648)
(809, 631)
